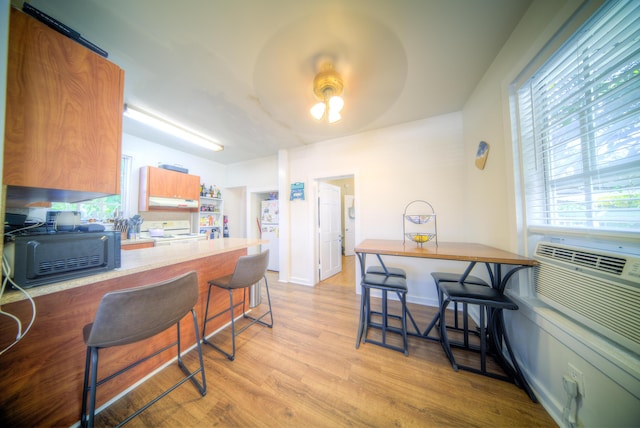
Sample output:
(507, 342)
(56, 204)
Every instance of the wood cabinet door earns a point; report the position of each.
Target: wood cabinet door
(64, 112)
(189, 187)
(162, 182)
(172, 184)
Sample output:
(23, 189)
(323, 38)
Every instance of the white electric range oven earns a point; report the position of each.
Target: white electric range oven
(166, 232)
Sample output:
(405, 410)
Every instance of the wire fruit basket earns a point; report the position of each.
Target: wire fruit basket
(419, 218)
(420, 238)
(419, 223)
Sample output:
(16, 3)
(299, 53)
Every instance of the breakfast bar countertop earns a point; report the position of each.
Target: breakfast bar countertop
(141, 260)
(48, 363)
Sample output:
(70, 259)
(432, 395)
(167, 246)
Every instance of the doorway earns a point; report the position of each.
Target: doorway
(345, 221)
(349, 225)
(329, 230)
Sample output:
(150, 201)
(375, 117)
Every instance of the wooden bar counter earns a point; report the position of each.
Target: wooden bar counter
(41, 382)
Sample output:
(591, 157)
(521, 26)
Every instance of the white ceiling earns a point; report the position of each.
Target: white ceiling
(241, 71)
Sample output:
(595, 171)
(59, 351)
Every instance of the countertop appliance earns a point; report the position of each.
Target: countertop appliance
(166, 232)
(44, 258)
(269, 229)
(63, 221)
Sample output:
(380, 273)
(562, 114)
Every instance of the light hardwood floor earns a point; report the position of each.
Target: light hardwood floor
(306, 372)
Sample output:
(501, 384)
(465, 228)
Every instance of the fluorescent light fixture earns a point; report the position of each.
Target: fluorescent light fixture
(171, 128)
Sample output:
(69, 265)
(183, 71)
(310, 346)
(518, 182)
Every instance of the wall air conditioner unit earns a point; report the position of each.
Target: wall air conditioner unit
(599, 289)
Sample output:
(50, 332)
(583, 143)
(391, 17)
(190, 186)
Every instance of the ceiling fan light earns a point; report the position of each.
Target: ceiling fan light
(333, 116)
(336, 104)
(327, 87)
(317, 111)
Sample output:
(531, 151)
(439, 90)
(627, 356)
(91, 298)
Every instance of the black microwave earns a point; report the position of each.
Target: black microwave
(48, 258)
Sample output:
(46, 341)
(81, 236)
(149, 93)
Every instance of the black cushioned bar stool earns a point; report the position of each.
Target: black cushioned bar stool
(385, 284)
(491, 303)
(389, 271)
(393, 272)
(441, 277)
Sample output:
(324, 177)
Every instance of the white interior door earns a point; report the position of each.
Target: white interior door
(349, 226)
(330, 230)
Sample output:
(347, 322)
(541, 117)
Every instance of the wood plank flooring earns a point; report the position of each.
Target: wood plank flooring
(306, 372)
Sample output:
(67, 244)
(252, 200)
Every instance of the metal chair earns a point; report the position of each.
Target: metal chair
(389, 271)
(131, 315)
(491, 303)
(443, 277)
(385, 283)
(249, 270)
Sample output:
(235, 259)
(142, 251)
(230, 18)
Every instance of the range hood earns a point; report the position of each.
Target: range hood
(156, 201)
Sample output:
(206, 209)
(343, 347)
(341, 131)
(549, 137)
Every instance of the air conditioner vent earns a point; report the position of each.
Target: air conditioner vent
(598, 289)
(596, 261)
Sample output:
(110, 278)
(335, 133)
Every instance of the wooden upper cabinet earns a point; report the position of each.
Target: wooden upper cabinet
(64, 110)
(165, 183)
(172, 184)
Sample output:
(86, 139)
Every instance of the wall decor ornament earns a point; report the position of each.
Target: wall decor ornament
(297, 192)
(482, 154)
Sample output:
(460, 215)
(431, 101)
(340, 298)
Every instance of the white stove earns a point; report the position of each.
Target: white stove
(172, 231)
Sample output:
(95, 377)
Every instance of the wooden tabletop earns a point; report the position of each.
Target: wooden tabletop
(464, 251)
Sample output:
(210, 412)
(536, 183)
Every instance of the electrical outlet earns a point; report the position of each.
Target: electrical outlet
(576, 375)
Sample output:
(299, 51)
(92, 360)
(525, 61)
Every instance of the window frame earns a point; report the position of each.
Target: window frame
(554, 47)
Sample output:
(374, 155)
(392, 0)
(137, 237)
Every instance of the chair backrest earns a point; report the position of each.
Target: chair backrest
(130, 315)
(249, 270)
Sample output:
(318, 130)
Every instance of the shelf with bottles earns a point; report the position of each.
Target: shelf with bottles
(419, 223)
(209, 220)
(212, 232)
(210, 216)
(211, 205)
(213, 192)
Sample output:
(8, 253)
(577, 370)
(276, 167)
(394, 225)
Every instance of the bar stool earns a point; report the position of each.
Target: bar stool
(385, 284)
(491, 303)
(390, 271)
(249, 270)
(394, 272)
(441, 277)
(132, 315)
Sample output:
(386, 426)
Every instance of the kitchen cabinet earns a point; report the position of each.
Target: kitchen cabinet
(165, 183)
(64, 106)
(210, 216)
(136, 245)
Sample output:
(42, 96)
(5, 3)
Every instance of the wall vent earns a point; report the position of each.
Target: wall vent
(579, 257)
(598, 289)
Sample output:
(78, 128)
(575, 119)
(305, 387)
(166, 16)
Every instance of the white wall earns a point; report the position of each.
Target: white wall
(234, 209)
(545, 342)
(391, 167)
(259, 173)
(490, 192)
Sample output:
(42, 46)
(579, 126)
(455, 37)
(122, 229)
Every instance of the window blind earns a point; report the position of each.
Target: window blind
(578, 126)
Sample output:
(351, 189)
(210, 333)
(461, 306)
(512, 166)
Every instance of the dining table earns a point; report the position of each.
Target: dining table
(501, 266)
